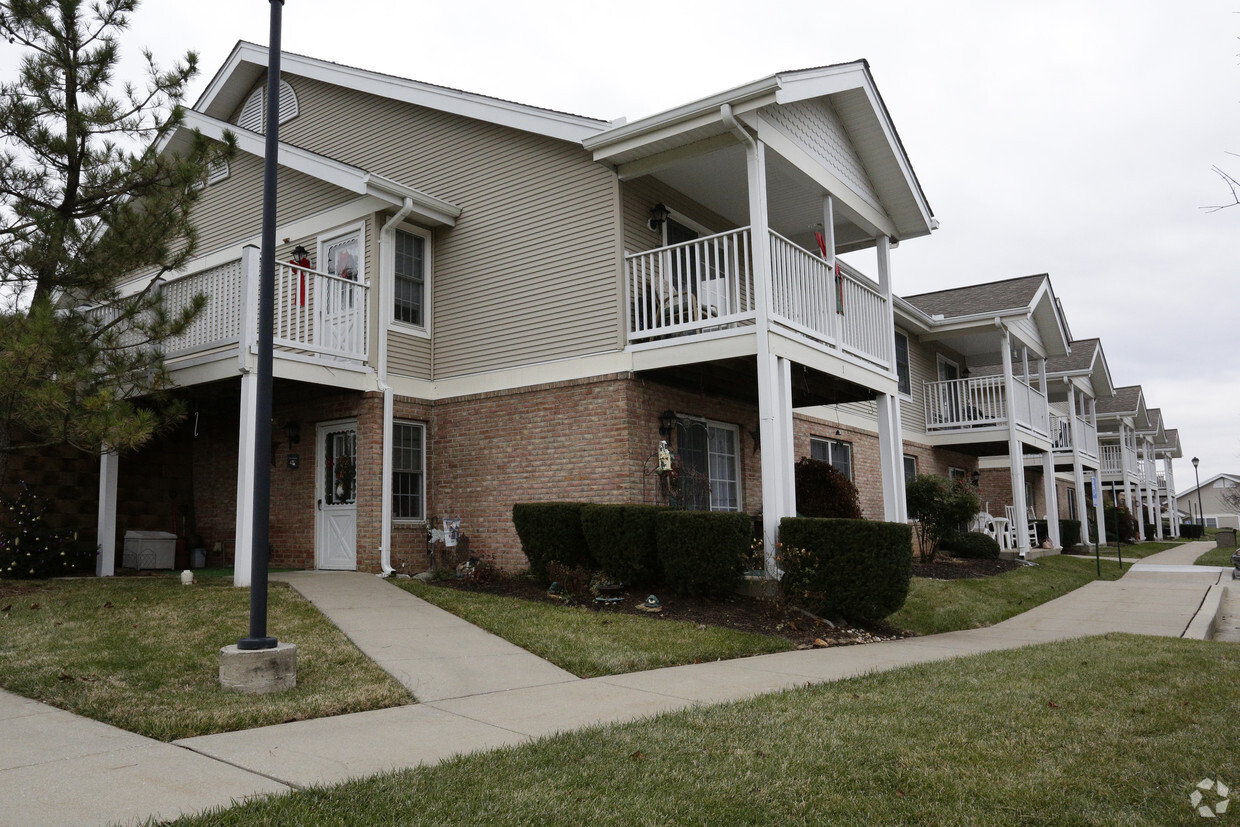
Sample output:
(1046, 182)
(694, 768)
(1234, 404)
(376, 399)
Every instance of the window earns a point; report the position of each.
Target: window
(709, 450)
(342, 256)
(910, 467)
(1072, 503)
(957, 474)
(902, 369)
(408, 471)
(410, 275)
(837, 454)
(1211, 522)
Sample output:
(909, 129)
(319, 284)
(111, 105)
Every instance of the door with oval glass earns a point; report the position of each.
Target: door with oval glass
(335, 544)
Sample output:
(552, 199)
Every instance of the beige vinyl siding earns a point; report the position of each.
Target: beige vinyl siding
(922, 368)
(233, 208)
(409, 355)
(529, 273)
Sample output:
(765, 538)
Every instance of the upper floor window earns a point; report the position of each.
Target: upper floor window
(902, 369)
(838, 454)
(410, 271)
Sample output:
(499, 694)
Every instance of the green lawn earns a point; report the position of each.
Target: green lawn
(1108, 730)
(1216, 557)
(589, 643)
(935, 606)
(142, 653)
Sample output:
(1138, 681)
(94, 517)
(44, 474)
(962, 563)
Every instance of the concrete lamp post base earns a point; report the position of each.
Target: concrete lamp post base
(259, 671)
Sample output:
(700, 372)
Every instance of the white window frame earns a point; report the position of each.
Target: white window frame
(428, 268)
(908, 363)
(326, 239)
(421, 472)
(907, 475)
(832, 445)
(1071, 495)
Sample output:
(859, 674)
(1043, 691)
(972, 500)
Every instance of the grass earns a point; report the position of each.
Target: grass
(935, 606)
(589, 643)
(1216, 557)
(1108, 730)
(142, 653)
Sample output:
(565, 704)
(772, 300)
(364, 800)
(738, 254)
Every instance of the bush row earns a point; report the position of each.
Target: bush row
(693, 552)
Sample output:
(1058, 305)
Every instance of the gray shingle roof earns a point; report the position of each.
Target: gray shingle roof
(1080, 359)
(979, 298)
(1124, 401)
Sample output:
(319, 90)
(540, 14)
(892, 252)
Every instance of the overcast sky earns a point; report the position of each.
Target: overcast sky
(1071, 138)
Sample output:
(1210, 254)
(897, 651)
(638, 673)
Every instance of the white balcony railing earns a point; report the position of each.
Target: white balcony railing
(316, 314)
(1061, 433)
(708, 284)
(982, 402)
(1118, 460)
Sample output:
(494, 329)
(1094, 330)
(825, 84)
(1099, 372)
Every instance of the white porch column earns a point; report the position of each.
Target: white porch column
(247, 451)
(1016, 459)
(1099, 510)
(890, 427)
(1051, 495)
(105, 532)
(1151, 475)
(1173, 507)
(1078, 471)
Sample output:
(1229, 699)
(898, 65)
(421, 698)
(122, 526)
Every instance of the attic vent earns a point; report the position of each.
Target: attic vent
(254, 116)
(217, 171)
(251, 116)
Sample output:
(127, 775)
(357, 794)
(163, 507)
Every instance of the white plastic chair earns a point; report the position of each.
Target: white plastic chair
(1014, 522)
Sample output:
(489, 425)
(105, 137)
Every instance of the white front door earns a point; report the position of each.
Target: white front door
(335, 535)
(340, 300)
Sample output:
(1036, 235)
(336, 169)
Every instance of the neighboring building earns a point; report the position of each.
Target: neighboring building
(1215, 492)
(481, 302)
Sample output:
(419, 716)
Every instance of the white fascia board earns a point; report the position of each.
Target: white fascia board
(479, 107)
(692, 115)
(338, 173)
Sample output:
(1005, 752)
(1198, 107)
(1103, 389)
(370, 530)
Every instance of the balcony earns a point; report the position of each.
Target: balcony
(981, 403)
(1118, 460)
(1061, 430)
(318, 317)
(707, 285)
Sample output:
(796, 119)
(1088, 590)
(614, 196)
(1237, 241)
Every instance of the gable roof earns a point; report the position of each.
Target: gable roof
(991, 297)
(1209, 483)
(1086, 360)
(247, 63)
(700, 124)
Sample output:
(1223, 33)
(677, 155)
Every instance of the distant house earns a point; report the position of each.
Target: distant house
(1215, 492)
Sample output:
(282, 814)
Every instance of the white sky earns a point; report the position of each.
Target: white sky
(1072, 138)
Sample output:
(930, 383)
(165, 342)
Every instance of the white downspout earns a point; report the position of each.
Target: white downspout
(385, 304)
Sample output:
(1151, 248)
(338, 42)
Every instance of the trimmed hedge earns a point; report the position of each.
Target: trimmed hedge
(971, 545)
(856, 569)
(551, 532)
(1192, 532)
(824, 492)
(703, 552)
(622, 540)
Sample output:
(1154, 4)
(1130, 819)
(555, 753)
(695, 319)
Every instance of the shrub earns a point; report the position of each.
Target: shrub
(971, 545)
(1192, 532)
(622, 542)
(551, 532)
(856, 569)
(1070, 533)
(30, 548)
(1151, 533)
(823, 491)
(702, 552)
(939, 507)
(1120, 524)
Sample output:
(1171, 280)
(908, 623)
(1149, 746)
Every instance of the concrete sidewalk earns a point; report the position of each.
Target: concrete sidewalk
(478, 693)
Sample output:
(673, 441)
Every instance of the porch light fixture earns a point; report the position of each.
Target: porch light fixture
(658, 216)
(292, 430)
(668, 420)
(1201, 515)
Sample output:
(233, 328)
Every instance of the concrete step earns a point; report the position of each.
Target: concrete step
(1228, 626)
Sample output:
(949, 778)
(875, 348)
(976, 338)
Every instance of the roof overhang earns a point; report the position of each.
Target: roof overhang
(426, 208)
(247, 63)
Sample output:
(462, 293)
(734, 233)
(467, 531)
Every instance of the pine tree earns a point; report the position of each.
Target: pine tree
(90, 194)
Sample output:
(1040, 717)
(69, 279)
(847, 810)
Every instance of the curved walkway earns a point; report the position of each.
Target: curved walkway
(477, 693)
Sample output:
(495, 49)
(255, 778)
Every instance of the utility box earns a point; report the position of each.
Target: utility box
(149, 550)
(1225, 538)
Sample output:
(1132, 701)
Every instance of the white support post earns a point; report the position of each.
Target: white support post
(247, 451)
(1173, 507)
(1078, 470)
(1151, 484)
(890, 426)
(1051, 495)
(105, 534)
(787, 447)
(1133, 506)
(1100, 511)
(1015, 452)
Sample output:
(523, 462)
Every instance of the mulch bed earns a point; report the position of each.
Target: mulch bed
(958, 568)
(745, 614)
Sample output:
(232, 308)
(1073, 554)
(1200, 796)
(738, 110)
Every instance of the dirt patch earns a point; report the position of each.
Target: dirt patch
(745, 614)
(958, 568)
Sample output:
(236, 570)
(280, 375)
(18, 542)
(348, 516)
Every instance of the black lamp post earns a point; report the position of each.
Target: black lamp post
(1201, 515)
